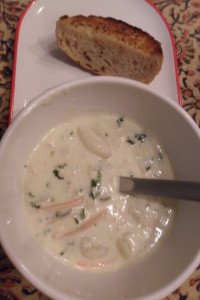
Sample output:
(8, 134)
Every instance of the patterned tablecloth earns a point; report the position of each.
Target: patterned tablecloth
(183, 16)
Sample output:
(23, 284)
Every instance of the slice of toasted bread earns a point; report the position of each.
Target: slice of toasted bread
(107, 46)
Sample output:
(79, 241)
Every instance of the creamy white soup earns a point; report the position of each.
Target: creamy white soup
(71, 192)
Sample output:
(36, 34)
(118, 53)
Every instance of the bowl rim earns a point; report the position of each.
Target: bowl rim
(41, 284)
(98, 79)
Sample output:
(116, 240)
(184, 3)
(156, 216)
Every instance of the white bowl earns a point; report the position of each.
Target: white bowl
(178, 255)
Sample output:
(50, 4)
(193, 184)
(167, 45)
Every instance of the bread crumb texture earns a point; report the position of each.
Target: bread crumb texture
(107, 46)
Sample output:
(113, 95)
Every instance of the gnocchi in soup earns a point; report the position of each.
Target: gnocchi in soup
(71, 192)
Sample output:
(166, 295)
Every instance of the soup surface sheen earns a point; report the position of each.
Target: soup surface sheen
(71, 195)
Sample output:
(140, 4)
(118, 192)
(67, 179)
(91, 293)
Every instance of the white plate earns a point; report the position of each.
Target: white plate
(39, 65)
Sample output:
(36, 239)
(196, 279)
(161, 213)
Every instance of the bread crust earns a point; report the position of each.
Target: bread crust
(110, 32)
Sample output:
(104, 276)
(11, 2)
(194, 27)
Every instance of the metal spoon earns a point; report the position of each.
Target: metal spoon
(159, 187)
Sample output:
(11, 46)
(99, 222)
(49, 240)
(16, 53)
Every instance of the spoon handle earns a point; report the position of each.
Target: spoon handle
(159, 187)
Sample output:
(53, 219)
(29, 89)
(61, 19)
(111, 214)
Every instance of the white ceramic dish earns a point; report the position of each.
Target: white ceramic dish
(38, 64)
(156, 276)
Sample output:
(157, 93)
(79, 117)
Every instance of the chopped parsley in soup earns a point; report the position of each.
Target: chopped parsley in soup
(71, 192)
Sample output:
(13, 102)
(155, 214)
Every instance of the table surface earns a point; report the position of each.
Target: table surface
(183, 17)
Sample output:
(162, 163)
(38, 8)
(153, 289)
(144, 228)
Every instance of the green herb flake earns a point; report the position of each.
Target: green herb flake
(130, 141)
(76, 220)
(62, 253)
(31, 195)
(60, 214)
(148, 168)
(61, 166)
(140, 137)
(82, 214)
(120, 120)
(56, 173)
(34, 205)
(99, 175)
(95, 185)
